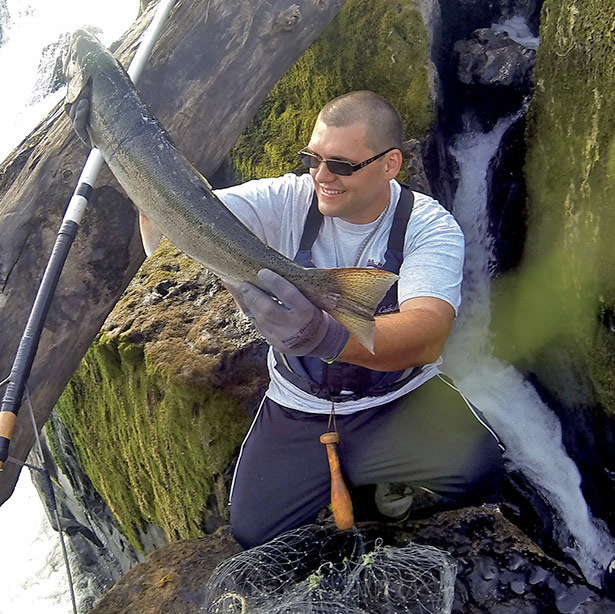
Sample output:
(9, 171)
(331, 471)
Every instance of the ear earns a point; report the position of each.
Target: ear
(392, 163)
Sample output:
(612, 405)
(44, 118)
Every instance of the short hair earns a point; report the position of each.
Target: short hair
(383, 122)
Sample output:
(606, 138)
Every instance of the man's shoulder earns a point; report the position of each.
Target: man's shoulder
(431, 221)
(420, 199)
(424, 200)
(288, 182)
(268, 194)
(292, 190)
(428, 207)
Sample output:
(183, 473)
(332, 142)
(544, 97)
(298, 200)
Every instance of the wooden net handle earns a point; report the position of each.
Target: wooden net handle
(341, 503)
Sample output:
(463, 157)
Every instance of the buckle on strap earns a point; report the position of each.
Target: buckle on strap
(322, 391)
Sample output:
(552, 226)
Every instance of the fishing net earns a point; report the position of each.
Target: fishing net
(321, 570)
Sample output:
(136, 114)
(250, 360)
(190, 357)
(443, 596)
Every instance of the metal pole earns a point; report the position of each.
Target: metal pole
(28, 345)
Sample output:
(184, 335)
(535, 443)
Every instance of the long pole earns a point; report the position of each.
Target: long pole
(28, 345)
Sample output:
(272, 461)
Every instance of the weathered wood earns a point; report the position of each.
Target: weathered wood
(213, 65)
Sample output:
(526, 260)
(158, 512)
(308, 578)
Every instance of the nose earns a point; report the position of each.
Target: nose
(322, 174)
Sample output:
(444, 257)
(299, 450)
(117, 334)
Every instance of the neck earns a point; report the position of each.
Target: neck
(376, 212)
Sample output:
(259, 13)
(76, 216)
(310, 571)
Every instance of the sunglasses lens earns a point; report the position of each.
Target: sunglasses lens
(308, 159)
(337, 167)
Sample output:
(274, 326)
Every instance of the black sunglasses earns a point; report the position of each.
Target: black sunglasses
(337, 167)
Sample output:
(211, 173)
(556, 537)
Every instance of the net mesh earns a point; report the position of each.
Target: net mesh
(321, 570)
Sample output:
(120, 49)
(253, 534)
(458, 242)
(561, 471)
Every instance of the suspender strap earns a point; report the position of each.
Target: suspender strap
(312, 225)
(397, 235)
(394, 254)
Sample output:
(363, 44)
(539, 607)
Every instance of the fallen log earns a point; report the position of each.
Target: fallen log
(211, 68)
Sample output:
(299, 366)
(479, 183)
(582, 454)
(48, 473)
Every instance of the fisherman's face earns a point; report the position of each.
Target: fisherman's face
(358, 198)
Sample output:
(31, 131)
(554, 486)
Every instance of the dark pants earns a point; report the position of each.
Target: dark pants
(431, 437)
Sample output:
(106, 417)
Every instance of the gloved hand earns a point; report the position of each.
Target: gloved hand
(79, 112)
(292, 324)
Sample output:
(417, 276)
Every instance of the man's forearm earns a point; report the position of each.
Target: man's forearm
(413, 337)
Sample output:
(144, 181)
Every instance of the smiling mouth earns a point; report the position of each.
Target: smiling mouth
(330, 192)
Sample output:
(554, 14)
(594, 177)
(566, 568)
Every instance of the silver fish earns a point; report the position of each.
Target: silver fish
(178, 201)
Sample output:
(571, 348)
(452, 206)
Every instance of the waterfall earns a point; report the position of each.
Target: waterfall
(530, 430)
(31, 30)
(33, 577)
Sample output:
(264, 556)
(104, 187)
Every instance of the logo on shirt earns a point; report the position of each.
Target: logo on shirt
(375, 265)
(386, 309)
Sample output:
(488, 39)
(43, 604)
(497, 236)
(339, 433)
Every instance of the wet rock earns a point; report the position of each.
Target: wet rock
(568, 601)
(501, 570)
(507, 199)
(487, 568)
(515, 581)
(491, 57)
(415, 169)
(91, 531)
(538, 575)
(484, 579)
(515, 561)
(484, 544)
(172, 579)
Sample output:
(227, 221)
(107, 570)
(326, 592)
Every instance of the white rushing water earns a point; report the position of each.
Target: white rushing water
(516, 27)
(32, 26)
(33, 577)
(529, 429)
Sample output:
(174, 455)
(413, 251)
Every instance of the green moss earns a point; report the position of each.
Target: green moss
(151, 447)
(380, 45)
(566, 281)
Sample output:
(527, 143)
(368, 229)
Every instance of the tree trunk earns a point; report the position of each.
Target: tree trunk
(212, 66)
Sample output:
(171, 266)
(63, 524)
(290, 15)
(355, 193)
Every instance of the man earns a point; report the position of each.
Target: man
(399, 420)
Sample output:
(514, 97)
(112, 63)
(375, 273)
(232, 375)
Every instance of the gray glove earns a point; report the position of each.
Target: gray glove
(291, 324)
(79, 112)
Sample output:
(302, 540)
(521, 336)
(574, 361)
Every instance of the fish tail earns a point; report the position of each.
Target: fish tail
(359, 290)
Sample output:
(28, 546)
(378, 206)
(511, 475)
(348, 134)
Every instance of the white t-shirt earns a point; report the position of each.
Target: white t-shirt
(276, 209)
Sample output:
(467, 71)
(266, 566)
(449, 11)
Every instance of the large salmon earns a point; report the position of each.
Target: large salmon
(177, 199)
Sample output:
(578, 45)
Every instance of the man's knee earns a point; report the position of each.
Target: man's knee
(483, 473)
(254, 523)
(246, 530)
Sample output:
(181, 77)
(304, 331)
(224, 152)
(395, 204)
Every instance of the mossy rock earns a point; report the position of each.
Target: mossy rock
(562, 295)
(380, 45)
(160, 403)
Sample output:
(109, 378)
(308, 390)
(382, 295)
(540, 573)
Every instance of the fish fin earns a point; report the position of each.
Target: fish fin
(75, 86)
(360, 292)
(150, 235)
(77, 79)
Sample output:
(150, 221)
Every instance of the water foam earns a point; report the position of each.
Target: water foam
(32, 26)
(516, 27)
(33, 577)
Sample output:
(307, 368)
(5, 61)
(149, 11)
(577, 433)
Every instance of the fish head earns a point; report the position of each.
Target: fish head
(83, 48)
